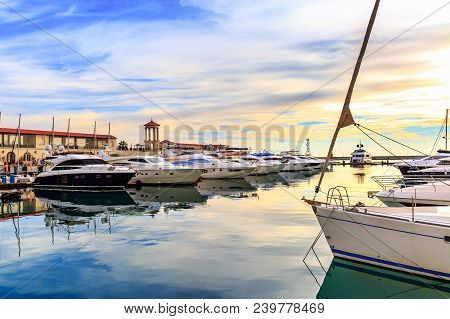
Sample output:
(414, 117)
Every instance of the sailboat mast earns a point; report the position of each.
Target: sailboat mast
(18, 144)
(95, 135)
(109, 133)
(346, 117)
(68, 133)
(53, 132)
(446, 129)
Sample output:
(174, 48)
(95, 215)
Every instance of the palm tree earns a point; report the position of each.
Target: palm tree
(122, 146)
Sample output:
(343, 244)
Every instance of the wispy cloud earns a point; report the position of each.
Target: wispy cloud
(223, 62)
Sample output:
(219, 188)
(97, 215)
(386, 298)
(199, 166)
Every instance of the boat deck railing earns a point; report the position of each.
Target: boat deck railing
(399, 181)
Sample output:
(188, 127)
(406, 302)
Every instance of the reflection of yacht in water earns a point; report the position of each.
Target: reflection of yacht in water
(349, 279)
(178, 197)
(267, 181)
(296, 177)
(179, 194)
(238, 188)
(69, 209)
(84, 202)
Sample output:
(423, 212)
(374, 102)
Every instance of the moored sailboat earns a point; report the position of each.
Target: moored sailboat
(399, 238)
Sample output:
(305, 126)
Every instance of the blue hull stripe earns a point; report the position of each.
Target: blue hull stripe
(390, 263)
(387, 228)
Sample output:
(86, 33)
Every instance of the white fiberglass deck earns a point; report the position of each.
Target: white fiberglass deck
(439, 215)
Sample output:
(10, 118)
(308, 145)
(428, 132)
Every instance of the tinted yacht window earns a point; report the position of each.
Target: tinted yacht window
(81, 162)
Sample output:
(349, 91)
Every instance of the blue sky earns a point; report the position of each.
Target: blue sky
(223, 62)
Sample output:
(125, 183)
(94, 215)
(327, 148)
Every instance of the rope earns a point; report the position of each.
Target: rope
(384, 148)
(437, 138)
(391, 139)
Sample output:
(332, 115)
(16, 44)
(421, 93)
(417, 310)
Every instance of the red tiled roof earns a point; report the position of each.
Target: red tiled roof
(152, 124)
(57, 134)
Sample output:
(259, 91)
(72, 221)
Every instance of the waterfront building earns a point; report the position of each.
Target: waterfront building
(31, 146)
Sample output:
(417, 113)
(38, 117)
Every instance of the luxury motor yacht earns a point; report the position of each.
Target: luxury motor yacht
(275, 161)
(294, 163)
(313, 162)
(214, 168)
(412, 167)
(82, 171)
(360, 156)
(440, 170)
(262, 167)
(156, 170)
(429, 194)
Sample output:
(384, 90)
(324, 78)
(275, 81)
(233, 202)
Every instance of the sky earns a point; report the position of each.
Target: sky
(264, 74)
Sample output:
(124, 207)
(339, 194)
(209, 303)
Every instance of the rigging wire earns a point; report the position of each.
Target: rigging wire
(384, 148)
(437, 138)
(391, 139)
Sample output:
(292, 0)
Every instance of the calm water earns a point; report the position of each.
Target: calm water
(220, 239)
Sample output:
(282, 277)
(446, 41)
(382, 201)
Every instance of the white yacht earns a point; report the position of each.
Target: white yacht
(360, 156)
(262, 167)
(412, 167)
(156, 170)
(82, 171)
(274, 160)
(214, 168)
(429, 194)
(294, 163)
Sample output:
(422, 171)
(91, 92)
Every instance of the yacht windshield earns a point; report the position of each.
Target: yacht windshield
(83, 162)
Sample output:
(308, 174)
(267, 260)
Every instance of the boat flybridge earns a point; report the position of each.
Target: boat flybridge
(156, 170)
(82, 171)
(411, 239)
(213, 168)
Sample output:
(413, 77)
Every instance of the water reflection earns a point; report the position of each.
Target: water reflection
(231, 188)
(351, 280)
(293, 178)
(152, 199)
(79, 211)
(120, 245)
(266, 181)
(84, 203)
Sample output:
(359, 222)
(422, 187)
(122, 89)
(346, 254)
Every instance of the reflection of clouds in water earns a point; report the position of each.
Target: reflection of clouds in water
(219, 248)
(348, 279)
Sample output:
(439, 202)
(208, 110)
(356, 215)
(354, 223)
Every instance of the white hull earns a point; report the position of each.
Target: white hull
(294, 167)
(432, 194)
(179, 176)
(276, 168)
(226, 173)
(391, 242)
